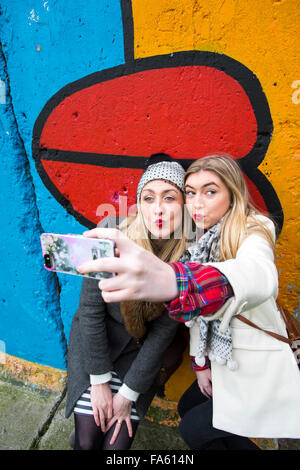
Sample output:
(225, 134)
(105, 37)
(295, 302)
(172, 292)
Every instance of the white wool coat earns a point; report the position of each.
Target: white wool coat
(262, 397)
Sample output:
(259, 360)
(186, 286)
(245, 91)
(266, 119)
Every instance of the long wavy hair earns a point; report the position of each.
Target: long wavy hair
(136, 314)
(241, 218)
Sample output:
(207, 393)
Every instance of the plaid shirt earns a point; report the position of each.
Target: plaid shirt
(202, 291)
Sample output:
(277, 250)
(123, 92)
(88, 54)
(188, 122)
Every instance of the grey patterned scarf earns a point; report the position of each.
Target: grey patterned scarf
(216, 345)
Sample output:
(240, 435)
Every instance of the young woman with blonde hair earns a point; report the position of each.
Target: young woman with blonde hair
(248, 383)
(116, 350)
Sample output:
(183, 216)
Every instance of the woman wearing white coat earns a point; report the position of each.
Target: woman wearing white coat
(255, 383)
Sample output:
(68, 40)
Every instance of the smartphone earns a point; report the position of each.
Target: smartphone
(63, 253)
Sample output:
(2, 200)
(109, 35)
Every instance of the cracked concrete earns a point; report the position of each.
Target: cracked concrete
(24, 411)
(32, 418)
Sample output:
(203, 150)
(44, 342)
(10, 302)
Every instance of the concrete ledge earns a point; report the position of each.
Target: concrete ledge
(24, 411)
(32, 417)
(46, 377)
(57, 435)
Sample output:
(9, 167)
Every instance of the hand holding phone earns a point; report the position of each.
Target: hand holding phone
(63, 253)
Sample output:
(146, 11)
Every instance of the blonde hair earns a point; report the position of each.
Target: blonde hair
(137, 313)
(241, 219)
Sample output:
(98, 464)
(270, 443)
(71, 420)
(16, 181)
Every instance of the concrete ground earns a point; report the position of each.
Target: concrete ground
(32, 418)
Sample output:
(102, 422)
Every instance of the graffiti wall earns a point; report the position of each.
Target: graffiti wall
(90, 89)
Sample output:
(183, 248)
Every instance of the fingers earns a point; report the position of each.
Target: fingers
(111, 423)
(100, 232)
(205, 386)
(209, 391)
(114, 283)
(109, 412)
(118, 426)
(129, 426)
(99, 418)
(117, 295)
(122, 242)
(111, 233)
(203, 391)
(116, 432)
(96, 415)
(206, 390)
(102, 421)
(110, 265)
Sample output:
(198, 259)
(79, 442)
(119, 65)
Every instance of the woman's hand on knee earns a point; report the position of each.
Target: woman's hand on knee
(121, 415)
(204, 382)
(102, 404)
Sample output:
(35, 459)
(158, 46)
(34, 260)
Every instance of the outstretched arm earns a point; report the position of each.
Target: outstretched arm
(143, 276)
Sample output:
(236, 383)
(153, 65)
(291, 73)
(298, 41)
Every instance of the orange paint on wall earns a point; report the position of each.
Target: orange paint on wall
(29, 372)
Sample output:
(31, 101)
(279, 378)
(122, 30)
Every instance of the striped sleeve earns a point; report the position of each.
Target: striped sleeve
(202, 291)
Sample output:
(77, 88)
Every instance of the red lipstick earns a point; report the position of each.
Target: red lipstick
(198, 217)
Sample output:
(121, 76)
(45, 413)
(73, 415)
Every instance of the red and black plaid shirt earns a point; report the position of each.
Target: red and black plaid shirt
(202, 291)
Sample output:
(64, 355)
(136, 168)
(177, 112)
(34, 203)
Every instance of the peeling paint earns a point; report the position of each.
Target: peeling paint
(29, 372)
(33, 17)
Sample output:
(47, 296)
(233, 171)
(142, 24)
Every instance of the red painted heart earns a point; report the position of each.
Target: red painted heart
(91, 139)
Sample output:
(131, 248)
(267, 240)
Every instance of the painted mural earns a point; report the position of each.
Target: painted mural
(95, 134)
(88, 91)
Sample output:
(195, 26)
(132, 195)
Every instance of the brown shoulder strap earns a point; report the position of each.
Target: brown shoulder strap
(292, 324)
(275, 335)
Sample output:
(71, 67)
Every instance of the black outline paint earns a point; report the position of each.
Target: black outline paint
(247, 80)
(235, 69)
(128, 30)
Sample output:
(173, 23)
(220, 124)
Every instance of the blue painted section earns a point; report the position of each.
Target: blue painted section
(46, 45)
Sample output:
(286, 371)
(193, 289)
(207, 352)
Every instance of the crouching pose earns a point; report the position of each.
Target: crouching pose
(248, 383)
(116, 349)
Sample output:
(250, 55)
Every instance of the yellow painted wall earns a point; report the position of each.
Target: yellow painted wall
(262, 35)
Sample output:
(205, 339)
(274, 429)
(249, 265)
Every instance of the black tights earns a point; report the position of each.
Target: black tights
(88, 436)
(196, 427)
